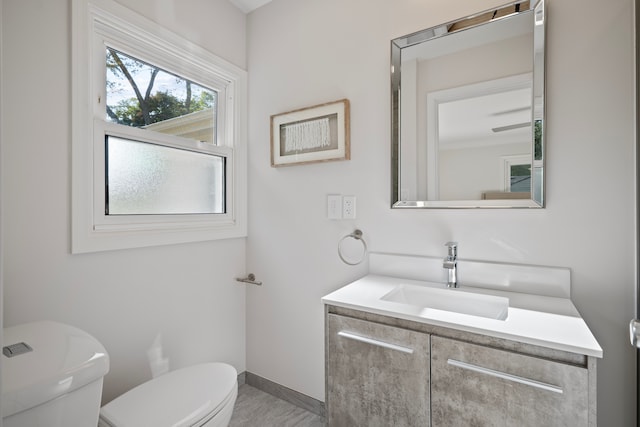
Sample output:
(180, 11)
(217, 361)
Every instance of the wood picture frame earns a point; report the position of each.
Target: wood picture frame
(310, 135)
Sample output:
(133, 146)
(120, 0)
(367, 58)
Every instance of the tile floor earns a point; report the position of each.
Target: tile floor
(255, 408)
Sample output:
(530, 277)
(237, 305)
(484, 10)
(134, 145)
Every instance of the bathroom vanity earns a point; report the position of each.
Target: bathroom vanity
(398, 353)
(508, 347)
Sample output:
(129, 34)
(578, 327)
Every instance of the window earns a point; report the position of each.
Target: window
(516, 173)
(144, 96)
(159, 150)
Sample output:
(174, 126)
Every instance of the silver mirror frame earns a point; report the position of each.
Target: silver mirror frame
(538, 140)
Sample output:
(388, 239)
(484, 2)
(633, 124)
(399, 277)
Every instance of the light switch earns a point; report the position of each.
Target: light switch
(334, 206)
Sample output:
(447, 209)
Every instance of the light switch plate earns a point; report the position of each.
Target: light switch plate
(334, 206)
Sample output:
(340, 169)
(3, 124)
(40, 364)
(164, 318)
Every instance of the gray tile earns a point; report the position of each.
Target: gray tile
(255, 408)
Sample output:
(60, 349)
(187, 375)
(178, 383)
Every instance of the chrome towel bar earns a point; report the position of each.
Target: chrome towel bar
(251, 278)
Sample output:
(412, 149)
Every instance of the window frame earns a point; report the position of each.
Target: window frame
(507, 161)
(104, 222)
(101, 23)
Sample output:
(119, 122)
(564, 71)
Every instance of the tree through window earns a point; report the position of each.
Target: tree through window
(144, 96)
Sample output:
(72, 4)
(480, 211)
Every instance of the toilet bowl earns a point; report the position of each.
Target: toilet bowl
(197, 396)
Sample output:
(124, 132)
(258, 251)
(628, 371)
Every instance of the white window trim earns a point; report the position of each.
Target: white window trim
(97, 20)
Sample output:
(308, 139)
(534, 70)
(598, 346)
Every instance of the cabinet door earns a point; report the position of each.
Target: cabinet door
(377, 375)
(473, 385)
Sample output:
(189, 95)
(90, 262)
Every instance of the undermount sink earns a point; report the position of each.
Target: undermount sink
(453, 300)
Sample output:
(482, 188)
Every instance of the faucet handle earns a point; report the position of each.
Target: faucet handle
(453, 248)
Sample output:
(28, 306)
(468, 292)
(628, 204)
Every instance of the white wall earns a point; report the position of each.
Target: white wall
(124, 298)
(1, 232)
(467, 173)
(305, 52)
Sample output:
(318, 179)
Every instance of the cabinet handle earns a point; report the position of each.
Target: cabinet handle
(372, 341)
(505, 376)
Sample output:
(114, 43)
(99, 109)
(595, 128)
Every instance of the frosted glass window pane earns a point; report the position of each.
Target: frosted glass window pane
(148, 179)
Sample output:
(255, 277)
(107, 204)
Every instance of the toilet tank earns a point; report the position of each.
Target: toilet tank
(51, 376)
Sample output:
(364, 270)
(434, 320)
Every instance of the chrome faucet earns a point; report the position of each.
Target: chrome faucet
(451, 264)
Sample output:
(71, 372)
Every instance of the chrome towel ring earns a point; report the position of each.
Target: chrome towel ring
(357, 235)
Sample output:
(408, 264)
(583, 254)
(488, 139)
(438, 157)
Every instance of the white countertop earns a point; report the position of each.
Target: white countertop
(545, 321)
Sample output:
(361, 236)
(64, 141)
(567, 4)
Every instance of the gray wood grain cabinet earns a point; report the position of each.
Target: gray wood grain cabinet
(384, 371)
(379, 374)
(474, 385)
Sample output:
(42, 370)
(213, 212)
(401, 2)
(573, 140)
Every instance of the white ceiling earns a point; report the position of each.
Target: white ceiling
(470, 122)
(249, 5)
(499, 30)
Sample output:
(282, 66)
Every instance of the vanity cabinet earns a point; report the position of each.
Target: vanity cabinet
(384, 371)
(474, 385)
(379, 374)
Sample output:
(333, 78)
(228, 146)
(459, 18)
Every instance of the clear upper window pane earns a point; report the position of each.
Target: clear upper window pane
(144, 96)
(143, 178)
(520, 177)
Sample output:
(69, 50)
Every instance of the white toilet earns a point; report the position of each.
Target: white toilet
(197, 396)
(51, 376)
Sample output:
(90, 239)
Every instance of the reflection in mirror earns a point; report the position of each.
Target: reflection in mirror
(467, 111)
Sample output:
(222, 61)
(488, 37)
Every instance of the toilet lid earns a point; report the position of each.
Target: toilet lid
(179, 398)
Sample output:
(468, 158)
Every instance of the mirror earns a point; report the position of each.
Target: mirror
(467, 110)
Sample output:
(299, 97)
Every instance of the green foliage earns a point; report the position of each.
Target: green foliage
(521, 170)
(537, 139)
(127, 76)
(162, 106)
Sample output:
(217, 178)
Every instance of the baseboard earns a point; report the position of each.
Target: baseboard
(294, 397)
(242, 378)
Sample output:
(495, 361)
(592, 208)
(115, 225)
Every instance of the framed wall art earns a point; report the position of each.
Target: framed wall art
(309, 135)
